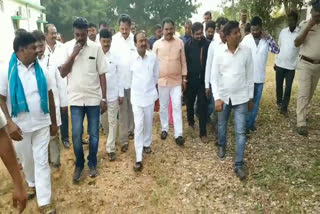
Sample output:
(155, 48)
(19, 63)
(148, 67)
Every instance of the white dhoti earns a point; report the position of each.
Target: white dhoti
(33, 154)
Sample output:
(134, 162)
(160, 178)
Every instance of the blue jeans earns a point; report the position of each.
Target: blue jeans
(240, 114)
(252, 116)
(64, 128)
(93, 117)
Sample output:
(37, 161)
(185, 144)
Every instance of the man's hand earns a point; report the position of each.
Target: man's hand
(76, 50)
(19, 197)
(208, 92)
(219, 105)
(103, 106)
(250, 105)
(120, 99)
(53, 129)
(14, 131)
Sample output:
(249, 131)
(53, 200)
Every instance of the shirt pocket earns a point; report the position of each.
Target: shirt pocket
(92, 65)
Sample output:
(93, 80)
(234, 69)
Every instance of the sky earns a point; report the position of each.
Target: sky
(206, 5)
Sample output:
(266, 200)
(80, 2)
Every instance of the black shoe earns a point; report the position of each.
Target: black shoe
(124, 148)
(131, 136)
(93, 172)
(253, 128)
(147, 150)
(240, 172)
(77, 175)
(138, 167)
(164, 135)
(112, 156)
(302, 131)
(191, 126)
(66, 144)
(180, 141)
(56, 165)
(221, 152)
(284, 113)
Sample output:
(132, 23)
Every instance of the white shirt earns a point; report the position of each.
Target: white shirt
(145, 73)
(56, 59)
(123, 49)
(83, 80)
(232, 75)
(212, 47)
(114, 87)
(3, 119)
(35, 119)
(259, 56)
(289, 53)
(56, 80)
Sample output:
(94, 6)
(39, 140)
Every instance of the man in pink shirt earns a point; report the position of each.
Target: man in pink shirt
(172, 78)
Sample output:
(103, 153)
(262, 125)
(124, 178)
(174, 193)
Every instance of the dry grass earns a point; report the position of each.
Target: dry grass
(284, 172)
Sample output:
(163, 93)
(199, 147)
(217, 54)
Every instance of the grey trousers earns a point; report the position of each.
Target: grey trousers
(126, 122)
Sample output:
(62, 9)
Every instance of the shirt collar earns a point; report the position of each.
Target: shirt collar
(226, 49)
(162, 38)
(139, 57)
(296, 30)
(21, 64)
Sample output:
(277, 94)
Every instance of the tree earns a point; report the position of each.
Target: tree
(145, 13)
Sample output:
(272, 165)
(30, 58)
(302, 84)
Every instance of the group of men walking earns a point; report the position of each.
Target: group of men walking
(215, 65)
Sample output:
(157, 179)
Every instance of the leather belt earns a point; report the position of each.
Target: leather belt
(310, 60)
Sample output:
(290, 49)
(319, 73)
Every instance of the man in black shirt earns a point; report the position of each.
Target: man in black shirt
(196, 51)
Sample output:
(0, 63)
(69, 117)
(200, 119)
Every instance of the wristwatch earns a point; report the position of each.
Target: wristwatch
(104, 100)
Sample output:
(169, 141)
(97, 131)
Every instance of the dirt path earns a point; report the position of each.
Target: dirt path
(284, 172)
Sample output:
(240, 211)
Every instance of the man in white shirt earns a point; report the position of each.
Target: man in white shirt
(260, 43)
(55, 51)
(232, 88)
(92, 32)
(286, 62)
(218, 40)
(123, 48)
(24, 99)
(115, 93)
(85, 67)
(145, 72)
(56, 80)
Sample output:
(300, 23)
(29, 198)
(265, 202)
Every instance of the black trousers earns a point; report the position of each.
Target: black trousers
(282, 74)
(191, 94)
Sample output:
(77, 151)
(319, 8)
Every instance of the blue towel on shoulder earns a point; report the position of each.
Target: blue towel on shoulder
(18, 99)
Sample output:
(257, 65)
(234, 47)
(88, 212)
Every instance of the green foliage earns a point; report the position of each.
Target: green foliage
(145, 13)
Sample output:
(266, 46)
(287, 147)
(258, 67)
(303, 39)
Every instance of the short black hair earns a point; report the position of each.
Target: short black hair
(80, 23)
(256, 21)
(157, 26)
(196, 27)
(210, 24)
(229, 27)
(167, 20)
(221, 21)
(125, 18)
(46, 28)
(207, 13)
(136, 35)
(294, 15)
(91, 25)
(22, 40)
(106, 34)
(38, 35)
(104, 23)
